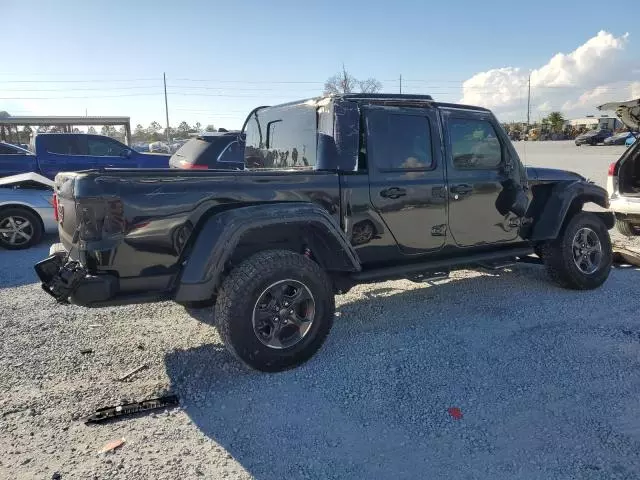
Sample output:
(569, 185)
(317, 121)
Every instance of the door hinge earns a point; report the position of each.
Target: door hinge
(439, 230)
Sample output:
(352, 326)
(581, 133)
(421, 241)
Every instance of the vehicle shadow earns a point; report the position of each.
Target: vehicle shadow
(16, 266)
(373, 403)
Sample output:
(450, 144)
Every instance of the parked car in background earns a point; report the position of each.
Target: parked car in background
(211, 151)
(619, 138)
(26, 210)
(623, 179)
(593, 137)
(140, 147)
(159, 147)
(51, 153)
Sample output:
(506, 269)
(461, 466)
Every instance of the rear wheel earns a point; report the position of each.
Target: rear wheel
(626, 228)
(275, 310)
(19, 228)
(580, 258)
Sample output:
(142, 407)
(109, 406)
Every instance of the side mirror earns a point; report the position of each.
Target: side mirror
(126, 153)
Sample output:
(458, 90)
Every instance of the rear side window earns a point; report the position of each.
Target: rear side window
(397, 141)
(474, 144)
(282, 138)
(104, 147)
(66, 145)
(234, 152)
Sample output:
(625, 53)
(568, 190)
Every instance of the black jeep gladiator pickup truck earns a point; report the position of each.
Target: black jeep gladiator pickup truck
(340, 190)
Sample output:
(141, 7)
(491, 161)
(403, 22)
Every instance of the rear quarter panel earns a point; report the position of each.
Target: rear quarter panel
(163, 211)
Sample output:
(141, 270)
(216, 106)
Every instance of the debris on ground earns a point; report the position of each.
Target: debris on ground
(86, 351)
(455, 413)
(625, 256)
(132, 372)
(56, 476)
(112, 445)
(109, 413)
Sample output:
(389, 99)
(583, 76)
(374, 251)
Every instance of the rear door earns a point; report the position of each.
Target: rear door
(406, 175)
(477, 170)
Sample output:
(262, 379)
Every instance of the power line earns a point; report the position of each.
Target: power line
(81, 81)
(93, 96)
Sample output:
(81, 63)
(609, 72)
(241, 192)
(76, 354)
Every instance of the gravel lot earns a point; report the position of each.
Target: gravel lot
(547, 381)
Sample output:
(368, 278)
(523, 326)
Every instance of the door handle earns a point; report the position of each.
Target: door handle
(393, 193)
(462, 189)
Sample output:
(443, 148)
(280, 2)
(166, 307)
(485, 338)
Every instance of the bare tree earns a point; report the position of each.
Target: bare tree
(342, 82)
(370, 85)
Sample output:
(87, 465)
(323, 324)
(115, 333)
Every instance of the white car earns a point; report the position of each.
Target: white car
(623, 180)
(26, 210)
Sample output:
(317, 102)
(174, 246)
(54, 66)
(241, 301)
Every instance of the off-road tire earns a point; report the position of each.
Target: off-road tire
(626, 228)
(558, 254)
(34, 220)
(240, 292)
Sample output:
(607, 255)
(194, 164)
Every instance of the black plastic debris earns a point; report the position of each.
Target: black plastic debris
(127, 409)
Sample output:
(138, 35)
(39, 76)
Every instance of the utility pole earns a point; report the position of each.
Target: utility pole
(166, 105)
(400, 84)
(529, 103)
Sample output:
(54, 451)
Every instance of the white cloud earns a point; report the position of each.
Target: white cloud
(576, 82)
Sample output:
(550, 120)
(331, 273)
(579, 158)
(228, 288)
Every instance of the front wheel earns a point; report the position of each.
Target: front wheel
(275, 310)
(581, 257)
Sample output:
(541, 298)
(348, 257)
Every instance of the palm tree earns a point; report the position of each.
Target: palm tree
(556, 120)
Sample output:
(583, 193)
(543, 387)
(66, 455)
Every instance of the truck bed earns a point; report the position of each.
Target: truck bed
(138, 222)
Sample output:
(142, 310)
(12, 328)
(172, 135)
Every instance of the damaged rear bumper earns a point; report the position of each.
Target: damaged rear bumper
(68, 281)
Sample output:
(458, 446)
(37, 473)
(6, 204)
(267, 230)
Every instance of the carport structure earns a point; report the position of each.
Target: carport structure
(9, 125)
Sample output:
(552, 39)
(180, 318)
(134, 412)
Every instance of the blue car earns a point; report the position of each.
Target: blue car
(51, 153)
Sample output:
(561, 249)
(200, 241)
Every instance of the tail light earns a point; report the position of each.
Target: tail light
(191, 166)
(55, 208)
(100, 219)
(612, 169)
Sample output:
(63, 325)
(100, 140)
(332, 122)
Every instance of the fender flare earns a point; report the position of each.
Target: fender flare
(218, 237)
(552, 217)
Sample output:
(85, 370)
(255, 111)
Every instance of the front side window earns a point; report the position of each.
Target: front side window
(474, 144)
(64, 145)
(104, 147)
(399, 141)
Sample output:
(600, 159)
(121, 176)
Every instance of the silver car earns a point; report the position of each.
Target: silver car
(26, 210)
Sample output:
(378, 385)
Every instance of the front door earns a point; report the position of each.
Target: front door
(406, 175)
(477, 172)
(106, 152)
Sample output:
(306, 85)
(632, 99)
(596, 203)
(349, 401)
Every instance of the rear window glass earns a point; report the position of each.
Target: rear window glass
(191, 151)
(282, 138)
(204, 151)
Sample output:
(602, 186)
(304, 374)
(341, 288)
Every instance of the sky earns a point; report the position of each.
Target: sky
(221, 59)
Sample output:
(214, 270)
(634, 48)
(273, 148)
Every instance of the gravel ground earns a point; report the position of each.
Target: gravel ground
(547, 382)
